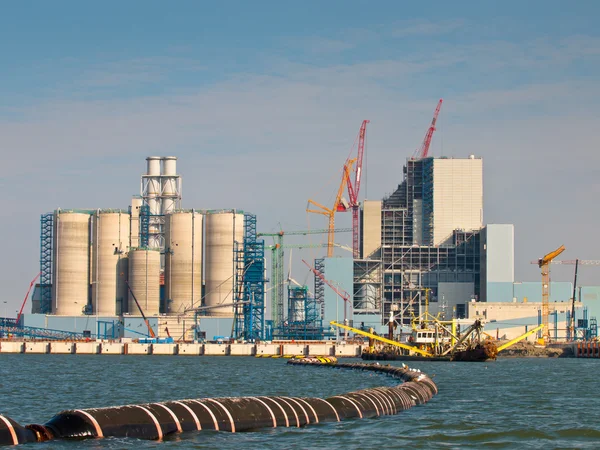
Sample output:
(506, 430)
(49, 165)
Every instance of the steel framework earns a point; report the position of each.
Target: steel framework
(144, 226)
(46, 247)
(277, 268)
(250, 284)
(410, 261)
(304, 318)
(320, 285)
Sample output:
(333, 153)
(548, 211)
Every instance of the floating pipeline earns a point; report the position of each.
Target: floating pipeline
(233, 414)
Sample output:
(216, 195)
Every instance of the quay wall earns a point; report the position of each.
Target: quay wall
(261, 350)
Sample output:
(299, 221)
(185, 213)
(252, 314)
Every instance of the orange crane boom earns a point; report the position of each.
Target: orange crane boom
(337, 206)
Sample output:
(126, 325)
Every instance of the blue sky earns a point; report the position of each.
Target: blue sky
(262, 101)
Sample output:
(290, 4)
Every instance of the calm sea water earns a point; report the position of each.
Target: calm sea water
(509, 403)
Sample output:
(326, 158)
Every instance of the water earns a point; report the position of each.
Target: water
(509, 403)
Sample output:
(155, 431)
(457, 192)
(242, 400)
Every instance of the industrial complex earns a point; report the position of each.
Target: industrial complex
(157, 271)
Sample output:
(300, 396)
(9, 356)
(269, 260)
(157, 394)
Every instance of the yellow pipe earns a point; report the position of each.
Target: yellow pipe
(382, 339)
(453, 342)
(520, 338)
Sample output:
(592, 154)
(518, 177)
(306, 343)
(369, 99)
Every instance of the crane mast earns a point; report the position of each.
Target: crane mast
(339, 291)
(576, 263)
(544, 265)
(354, 189)
(277, 298)
(337, 206)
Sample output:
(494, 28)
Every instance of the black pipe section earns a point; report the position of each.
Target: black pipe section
(233, 414)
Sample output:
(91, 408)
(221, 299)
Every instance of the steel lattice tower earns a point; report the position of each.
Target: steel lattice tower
(46, 235)
(250, 284)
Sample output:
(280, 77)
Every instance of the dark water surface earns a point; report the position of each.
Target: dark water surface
(509, 403)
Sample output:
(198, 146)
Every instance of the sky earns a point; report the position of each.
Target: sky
(262, 101)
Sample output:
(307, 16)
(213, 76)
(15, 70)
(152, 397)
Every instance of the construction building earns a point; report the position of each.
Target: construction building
(422, 243)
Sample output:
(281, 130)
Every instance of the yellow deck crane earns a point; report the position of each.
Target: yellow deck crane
(520, 338)
(337, 206)
(410, 348)
(544, 265)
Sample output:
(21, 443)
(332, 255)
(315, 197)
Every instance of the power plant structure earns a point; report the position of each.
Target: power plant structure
(154, 260)
(197, 273)
(424, 237)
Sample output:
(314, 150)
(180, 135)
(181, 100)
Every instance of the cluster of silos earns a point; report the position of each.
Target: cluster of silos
(185, 260)
(90, 262)
(96, 253)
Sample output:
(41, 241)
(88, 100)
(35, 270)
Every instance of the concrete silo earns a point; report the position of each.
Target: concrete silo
(183, 260)
(71, 255)
(144, 280)
(222, 229)
(110, 241)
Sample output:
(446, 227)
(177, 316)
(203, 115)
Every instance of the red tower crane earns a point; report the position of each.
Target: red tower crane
(354, 188)
(339, 291)
(424, 150)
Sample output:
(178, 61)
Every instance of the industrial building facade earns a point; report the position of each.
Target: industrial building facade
(422, 240)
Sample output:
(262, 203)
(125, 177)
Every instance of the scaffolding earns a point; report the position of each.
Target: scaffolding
(250, 284)
(144, 225)
(277, 267)
(46, 247)
(367, 286)
(304, 319)
(320, 285)
(410, 263)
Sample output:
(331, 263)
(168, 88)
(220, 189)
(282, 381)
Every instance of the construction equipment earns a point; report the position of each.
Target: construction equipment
(520, 338)
(376, 337)
(339, 291)
(423, 151)
(544, 265)
(277, 298)
(26, 297)
(572, 324)
(354, 189)
(338, 206)
(576, 263)
(150, 330)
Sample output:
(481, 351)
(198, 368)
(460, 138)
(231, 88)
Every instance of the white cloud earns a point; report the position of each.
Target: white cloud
(267, 143)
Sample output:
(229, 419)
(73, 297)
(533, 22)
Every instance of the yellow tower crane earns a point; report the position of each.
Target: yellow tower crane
(544, 265)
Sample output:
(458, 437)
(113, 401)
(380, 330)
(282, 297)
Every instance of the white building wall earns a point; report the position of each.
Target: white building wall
(500, 252)
(371, 227)
(457, 197)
